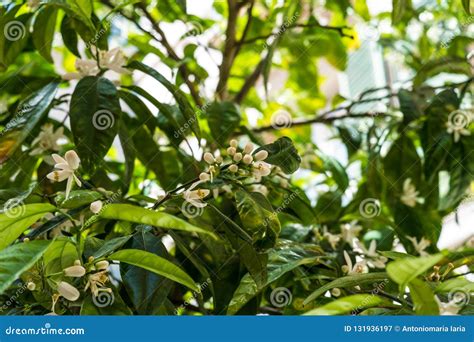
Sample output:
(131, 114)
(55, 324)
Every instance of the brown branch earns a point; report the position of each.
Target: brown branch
(250, 81)
(228, 54)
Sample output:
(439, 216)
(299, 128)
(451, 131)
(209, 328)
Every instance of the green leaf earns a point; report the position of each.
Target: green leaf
(282, 153)
(223, 120)
(403, 271)
(361, 9)
(337, 171)
(408, 106)
(43, 31)
(346, 305)
(348, 281)
(258, 218)
(285, 258)
(455, 284)
(131, 213)
(423, 298)
(398, 10)
(95, 114)
(448, 64)
(179, 96)
(77, 198)
(467, 6)
(18, 259)
(15, 220)
(146, 290)
(140, 109)
(110, 246)
(156, 264)
(29, 113)
(79, 9)
(69, 35)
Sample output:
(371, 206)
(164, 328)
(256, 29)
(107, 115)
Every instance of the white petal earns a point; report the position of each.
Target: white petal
(69, 186)
(72, 159)
(58, 159)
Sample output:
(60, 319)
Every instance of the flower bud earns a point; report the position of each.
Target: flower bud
(238, 157)
(233, 143)
(77, 262)
(91, 259)
(248, 147)
(74, 271)
(261, 155)
(247, 159)
(233, 168)
(96, 207)
(209, 158)
(31, 286)
(231, 151)
(219, 160)
(204, 176)
(102, 265)
(336, 292)
(26, 240)
(68, 291)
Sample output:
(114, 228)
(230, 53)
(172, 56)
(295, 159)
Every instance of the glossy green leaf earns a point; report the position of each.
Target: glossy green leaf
(223, 119)
(131, 213)
(16, 219)
(282, 153)
(154, 263)
(43, 31)
(347, 281)
(95, 114)
(77, 198)
(18, 259)
(116, 306)
(403, 271)
(111, 246)
(346, 305)
(423, 298)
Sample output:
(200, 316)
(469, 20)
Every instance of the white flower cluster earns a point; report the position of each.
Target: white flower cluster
(111, 60)
(240, 163)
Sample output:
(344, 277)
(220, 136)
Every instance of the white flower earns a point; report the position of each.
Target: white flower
(102, 265)
(358, 268)
(259, 188)
(333, 239)
(68, 291)
(261, 169)
(96, 207)
(113, 60)
(67, 166)
(84, 67)
(420, 246)
(350, 231)
(209, 158)
(203, 176)
(448, 309)
(456, 130)
(261, 155)
(47, 139)
(96, 282)
(195, 196)
(409, 196)
(75, 271)
(375, 260)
